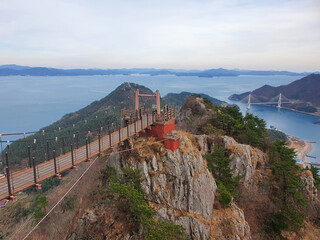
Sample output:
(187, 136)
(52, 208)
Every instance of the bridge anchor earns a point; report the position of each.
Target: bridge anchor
(12, 198)
(75, 168)
(58, 176)
(101, 154)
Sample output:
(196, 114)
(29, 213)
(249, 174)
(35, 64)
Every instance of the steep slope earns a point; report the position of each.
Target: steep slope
(256, 192)
(181, 189)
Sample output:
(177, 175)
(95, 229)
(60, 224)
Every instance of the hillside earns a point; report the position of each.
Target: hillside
(305, 90)
(178, 99)
(123, 97)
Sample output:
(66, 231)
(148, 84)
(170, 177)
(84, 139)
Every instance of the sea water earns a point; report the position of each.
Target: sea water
(28, 103)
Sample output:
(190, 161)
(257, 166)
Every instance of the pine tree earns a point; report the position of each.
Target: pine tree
(315, 174)
(218, 164)
(286, 176)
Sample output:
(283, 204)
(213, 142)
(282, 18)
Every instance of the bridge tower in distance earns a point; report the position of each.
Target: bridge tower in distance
(279, 101)
(249, 101)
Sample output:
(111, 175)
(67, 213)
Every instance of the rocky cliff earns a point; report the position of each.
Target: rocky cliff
(310, 190)
(180, 188)
(247, 162)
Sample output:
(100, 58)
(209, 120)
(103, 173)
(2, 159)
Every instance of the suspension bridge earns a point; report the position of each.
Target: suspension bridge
(139, 121)
(277, 100)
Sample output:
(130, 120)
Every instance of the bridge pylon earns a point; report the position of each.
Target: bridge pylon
(249, 102)
(279, 101)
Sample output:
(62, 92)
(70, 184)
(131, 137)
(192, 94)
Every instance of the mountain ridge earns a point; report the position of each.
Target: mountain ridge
(16, 70)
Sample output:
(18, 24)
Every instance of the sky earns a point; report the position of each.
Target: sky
(180, 34)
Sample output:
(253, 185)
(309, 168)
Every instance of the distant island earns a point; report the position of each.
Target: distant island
(17, 70)
(302, 95)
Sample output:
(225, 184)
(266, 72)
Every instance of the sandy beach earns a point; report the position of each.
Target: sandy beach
(301, 147)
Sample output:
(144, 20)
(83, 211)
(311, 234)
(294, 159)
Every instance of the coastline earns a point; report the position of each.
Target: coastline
(294, 110)
(302, 148)
(316, 114)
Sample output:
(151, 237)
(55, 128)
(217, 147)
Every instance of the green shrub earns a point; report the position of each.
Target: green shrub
(49, 183)
(225, 197)
(20, 212)
(68, 204)
(40, 203)
(276, 224)
(315, 174)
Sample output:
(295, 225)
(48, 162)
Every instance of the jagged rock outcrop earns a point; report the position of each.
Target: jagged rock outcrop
(247, 162)
(310, 190)
(180, 188)
(230, 224)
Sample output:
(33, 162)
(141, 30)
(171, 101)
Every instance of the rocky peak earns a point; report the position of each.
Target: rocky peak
(247, 161)
(181, 189)
(195, 104)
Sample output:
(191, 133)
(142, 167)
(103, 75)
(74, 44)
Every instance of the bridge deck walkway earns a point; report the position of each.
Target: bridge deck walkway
(23, 179)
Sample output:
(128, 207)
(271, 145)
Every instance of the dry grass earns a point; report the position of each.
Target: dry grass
(190, 144)
(306, 173)
(310, 231)
(223, 219)
(147, 148)
(257, 208)
(234, 149)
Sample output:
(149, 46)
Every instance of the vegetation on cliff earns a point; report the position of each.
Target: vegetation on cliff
(315, 174)
(209, 118)
(219, 165)
(286, 190)
(279, 201)
(126, 192)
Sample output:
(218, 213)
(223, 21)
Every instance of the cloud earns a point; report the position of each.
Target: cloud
(144, 33)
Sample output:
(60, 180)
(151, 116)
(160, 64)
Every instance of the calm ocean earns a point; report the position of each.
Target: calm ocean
(29, 103)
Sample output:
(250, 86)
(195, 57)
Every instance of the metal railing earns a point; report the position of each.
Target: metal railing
(52, 163)
(35, 173)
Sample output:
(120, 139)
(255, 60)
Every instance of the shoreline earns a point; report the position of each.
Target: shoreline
(301, 147)
(316, 114)
(294, 110)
